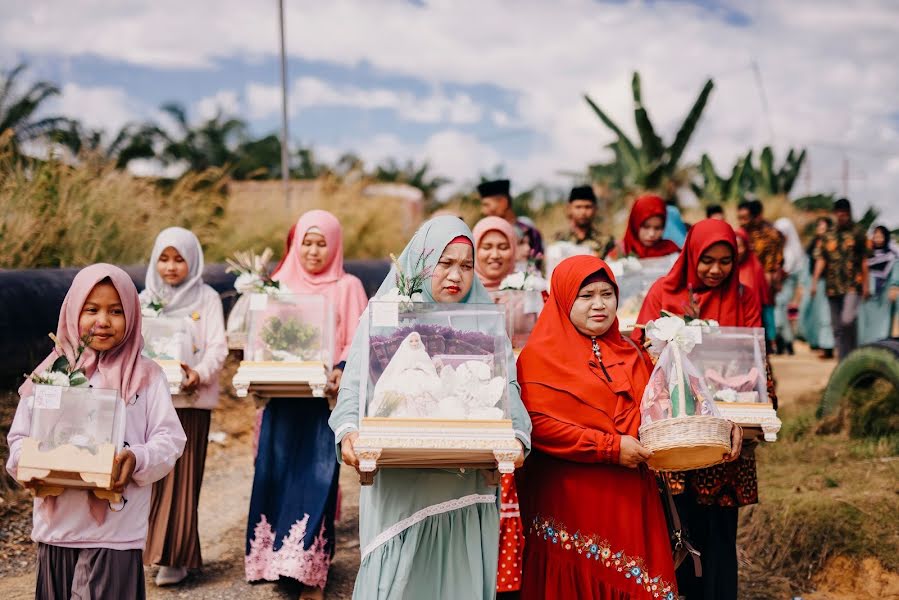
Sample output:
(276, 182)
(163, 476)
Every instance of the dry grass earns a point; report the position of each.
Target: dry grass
(822, 497)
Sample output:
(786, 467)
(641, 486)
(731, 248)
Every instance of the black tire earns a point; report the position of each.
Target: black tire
(860, 368)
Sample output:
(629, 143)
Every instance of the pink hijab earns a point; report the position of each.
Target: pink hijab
(341, 288)
(122, 368)
(482, 228)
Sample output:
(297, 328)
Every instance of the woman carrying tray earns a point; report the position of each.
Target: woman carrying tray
(290, 531)
(594, 520)
(427, 533)
(704, 283)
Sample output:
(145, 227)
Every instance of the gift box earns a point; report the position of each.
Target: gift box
(290, 346)
(522, 309)
(635, 277)
(435, 390)
(732, 363)
(169, 342)
(76, 433)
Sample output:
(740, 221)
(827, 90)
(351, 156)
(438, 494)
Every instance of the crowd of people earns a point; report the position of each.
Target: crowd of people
(583, 517)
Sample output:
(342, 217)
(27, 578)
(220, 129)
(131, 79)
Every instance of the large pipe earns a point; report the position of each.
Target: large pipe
(30, 300)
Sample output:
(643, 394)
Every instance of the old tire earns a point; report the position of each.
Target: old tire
(860, 369)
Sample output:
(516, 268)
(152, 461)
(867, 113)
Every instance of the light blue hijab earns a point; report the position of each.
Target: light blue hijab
(429, 242)
(675, 229)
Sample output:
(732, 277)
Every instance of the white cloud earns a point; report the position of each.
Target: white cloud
(224, 103)
(100, 107)
(828, 67)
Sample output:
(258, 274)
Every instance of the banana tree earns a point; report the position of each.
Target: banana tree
(652, 164)
(766, 180)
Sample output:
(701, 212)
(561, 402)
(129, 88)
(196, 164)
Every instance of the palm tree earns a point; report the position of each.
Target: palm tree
(766, 180)
(211, 144)
(131, 142)
(653, 164)
(18, 110)
(411, 174)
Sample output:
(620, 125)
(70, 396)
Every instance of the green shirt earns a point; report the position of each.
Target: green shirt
(599, 243)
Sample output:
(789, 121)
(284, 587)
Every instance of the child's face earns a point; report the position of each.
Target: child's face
(172, 267)
(651, 231)
(104, 312)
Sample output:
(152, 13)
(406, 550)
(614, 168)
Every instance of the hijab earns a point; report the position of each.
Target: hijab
(558, 372)
(343, 290)
(794, 253)
(752, 273)
(725, 303)
(644, 208)
(482, 228)
(187, 297)
(121, 368)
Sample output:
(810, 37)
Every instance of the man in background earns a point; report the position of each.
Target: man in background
(496, 201)
(768, 244)
(842, 259)
(581, 230)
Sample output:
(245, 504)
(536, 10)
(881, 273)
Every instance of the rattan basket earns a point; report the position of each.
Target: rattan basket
(686, 443)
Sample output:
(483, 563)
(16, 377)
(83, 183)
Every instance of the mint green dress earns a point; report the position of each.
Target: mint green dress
(814, 315)
(426, 533)
(875, 315)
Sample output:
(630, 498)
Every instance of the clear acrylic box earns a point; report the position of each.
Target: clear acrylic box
(167, 339)
(635, 277)
(75, 435)
(731, 360)
(522, 309)
(290, 328)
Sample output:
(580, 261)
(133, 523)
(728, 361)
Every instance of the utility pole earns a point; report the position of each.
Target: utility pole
(285, 152)
(845, 177)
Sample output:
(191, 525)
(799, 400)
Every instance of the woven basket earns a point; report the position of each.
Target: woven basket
(686, 443)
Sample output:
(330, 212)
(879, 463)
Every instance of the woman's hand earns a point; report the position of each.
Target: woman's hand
(519, 461)
(736, 443)
(191, 379)
(333, 385)
(632, 452)
(346, 449)
(124, 464)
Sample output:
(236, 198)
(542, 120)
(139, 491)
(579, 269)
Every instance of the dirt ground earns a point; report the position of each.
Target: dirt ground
(225, 499)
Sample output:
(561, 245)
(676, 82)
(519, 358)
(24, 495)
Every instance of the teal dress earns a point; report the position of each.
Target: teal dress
(782, 301)
(814, 315)
(426, 533)
(875, 316)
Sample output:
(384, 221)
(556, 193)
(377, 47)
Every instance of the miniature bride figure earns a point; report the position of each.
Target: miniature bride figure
(409, 386)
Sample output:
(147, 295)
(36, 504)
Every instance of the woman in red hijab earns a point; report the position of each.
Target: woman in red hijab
(594, 520)
(645, 226)
(752, 273)
(705, 283)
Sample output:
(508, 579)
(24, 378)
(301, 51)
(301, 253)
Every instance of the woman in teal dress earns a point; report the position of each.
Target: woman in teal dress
(875, 317)
(795, 264)
(814, 311)
(427, 533)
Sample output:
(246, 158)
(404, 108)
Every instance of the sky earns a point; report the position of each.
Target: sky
(471, 84)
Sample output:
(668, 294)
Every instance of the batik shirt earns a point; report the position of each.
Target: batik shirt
(844, 251)
(600, 244)
(768, 245)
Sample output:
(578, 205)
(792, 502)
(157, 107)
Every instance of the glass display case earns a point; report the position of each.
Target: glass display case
(75, 435)
(435, 391)
(169, 342)
(635, 277)
(290, 346)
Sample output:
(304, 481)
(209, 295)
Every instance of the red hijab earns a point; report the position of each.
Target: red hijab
(558, 373)
(731, 304)
(752, 273)
(645, 208)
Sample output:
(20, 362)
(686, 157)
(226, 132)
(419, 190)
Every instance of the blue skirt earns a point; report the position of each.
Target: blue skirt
(290, 531)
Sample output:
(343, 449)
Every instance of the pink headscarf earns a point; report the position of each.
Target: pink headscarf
(122, 368)
(335, 284)
(482, 228)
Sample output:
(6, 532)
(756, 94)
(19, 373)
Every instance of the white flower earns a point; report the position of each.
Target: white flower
(417, 297)
(515, 281)
(671, 330)
(726, 395)
(57, 378)
(535, 283)
(247, 283)
(146, 311)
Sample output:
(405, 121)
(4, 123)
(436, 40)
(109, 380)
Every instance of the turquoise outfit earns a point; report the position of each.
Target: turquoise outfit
(425, 533)
(675, 228)
(782, 300)
(814, 315)
(876, 314)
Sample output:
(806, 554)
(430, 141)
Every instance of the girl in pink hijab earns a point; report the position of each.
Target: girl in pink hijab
(290, 531)
(86, 547)
(495, 242)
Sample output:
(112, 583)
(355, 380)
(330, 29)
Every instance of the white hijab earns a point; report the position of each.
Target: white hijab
(793, 250)
(186, 298)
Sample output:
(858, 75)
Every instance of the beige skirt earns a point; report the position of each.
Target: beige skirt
(173, 538)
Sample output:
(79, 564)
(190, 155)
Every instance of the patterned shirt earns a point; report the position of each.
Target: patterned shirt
(599, 243)
(768, 244)
(844, 250)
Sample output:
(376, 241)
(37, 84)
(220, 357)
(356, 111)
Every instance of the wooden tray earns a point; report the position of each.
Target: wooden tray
(68, 467)
(273, 379)
(755, 415)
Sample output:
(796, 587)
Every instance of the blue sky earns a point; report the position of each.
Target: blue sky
(471, 84)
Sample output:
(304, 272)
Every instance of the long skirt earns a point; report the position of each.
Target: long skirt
(782, 301)
(594, 532)
(290, 530)
(712, 530)
(814, 318)
(95, 573)
(173, 538)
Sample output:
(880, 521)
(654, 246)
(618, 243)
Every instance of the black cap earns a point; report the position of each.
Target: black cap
(499, 187)
(582, 192)
(842, 204)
